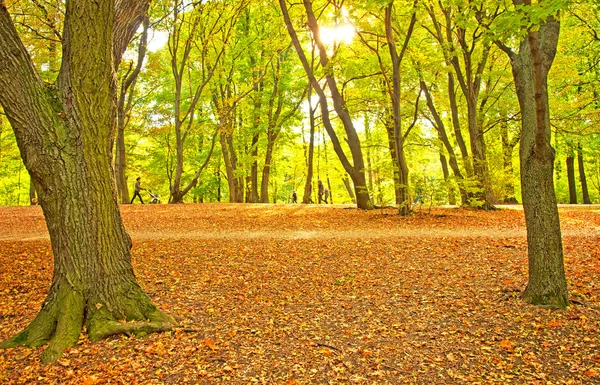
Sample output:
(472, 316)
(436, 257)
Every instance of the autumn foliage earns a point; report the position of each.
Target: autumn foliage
(297, 294)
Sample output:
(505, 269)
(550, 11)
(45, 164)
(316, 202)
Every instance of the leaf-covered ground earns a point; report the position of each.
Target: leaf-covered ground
(294, 294)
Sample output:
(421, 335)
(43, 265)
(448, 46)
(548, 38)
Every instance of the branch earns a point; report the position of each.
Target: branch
(129, 14)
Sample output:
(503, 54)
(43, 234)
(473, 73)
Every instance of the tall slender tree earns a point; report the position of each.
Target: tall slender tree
(547, 284)
(355, 170)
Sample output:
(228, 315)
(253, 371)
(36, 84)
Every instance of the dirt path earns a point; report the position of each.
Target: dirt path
(289, 222)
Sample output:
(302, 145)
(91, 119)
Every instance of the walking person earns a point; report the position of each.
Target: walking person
(321, 191)
(326, 196)
(294, 197)
(137, 189)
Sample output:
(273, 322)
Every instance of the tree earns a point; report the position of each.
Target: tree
(124, 107)
(206, 28)
(356, 170)
(466, 49)
(65, 132)
(547, 284)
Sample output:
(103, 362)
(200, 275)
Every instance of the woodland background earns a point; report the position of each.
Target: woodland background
(216, 106)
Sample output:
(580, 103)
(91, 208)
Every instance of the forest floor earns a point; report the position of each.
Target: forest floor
(296, 294)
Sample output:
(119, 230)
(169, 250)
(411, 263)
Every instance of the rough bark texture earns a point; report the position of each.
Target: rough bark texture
(65, 134)
(547, 284)
(582, 178)
(571, 179)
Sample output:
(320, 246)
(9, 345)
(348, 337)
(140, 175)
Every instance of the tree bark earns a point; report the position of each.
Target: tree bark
(65, 133)
(547, 284)
(582, 178)
(571, 178)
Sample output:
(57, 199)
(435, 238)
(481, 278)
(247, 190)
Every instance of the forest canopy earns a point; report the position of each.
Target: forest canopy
(215, 104)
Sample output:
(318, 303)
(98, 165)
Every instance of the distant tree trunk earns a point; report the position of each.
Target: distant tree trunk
(547, 283)
(124, 107)
(456, 125)
(253, 193)
(441, 129)
(65, 133)
(389, 130)
(306, 198)
(582, 178)
(571, 178)
(451, 196)
(348, 186)
(369, 151)
(264, 190)
(32, 195)
(236, 191)
(507, 154)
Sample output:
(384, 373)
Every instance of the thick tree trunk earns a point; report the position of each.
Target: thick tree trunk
(65, 135)
(582, 178)
(571, 178)
(547, 284)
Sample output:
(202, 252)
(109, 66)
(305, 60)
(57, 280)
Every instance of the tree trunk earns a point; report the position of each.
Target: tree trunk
(264, 187)
(306, 198)
(507, 154)
(230, 167)
(571, 178)
(348, 186)
(582, 178)
(254, 170)
(547, 284)
(399, 136)
(389, 130)
(451, 196)
(441, 129)
(124, 107)
(66, 135)
(456, 125)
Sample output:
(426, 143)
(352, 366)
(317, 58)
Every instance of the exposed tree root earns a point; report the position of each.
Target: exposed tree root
(60, 321)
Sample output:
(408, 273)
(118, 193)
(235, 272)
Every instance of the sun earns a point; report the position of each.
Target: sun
(340, 34)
